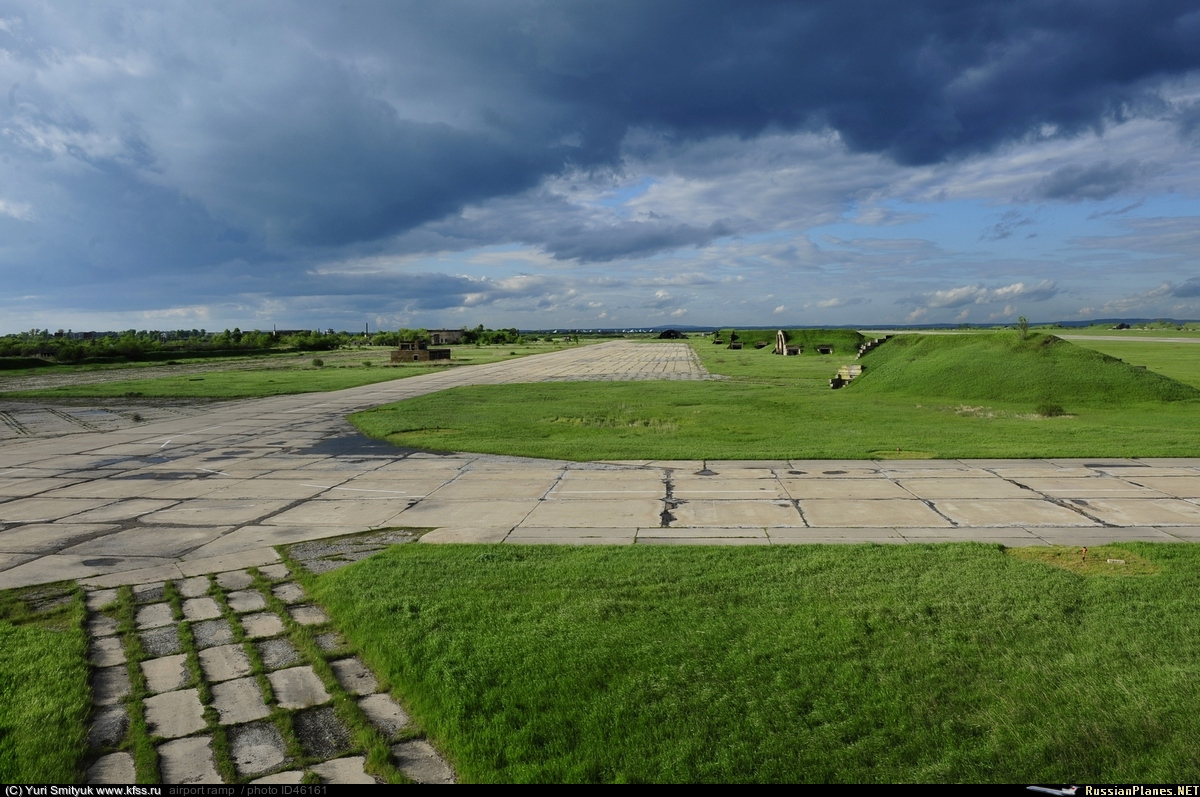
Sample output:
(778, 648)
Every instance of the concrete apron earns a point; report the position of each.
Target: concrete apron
(216, 491)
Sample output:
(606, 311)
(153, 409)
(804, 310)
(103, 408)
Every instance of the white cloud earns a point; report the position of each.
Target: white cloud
(978, 294)
(779, 309)
(17, 210)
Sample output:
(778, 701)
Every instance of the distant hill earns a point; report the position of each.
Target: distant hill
(1000, 367)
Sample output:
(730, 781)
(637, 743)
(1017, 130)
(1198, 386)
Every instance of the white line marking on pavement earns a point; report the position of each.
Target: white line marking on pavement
(206, 470)
(164, 445)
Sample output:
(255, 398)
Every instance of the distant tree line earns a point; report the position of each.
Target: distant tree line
(81, 347)
(133, 345)
(481, 335)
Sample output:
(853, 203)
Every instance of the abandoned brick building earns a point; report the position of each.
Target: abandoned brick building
(409, 351)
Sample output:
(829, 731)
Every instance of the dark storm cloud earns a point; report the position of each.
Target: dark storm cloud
(1187, 289)
(629, 240)
(1097, 181)
(351, 125)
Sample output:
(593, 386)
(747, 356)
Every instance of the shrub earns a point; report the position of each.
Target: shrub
(1048, 409)
(318, 362)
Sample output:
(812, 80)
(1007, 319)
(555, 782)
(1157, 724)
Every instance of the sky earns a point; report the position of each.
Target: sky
(170, 165)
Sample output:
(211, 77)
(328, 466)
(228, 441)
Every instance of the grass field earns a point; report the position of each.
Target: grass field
(1180, 361)
(44, 697)
(933, 396)
(267, 376)
(918, 663)
(235, 384)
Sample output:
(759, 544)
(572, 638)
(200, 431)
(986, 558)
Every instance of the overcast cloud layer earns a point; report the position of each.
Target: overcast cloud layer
(531, 164)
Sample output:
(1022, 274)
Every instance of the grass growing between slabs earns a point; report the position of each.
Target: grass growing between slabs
(980, 395)
(916, 663)
(44, 697)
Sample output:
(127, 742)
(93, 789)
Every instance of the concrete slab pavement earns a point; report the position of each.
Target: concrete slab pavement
(216, 487)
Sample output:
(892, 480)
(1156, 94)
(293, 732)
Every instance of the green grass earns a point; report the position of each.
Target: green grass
(1006, 367)
(962, 396)
(1180, 361)
(845, 342)
(281, 374)
(44, 696)
(918, 663)
(234, 384)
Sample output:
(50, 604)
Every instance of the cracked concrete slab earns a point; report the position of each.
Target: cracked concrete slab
(298, 687)
(234, 580)
(343, 770)
(736, 513)
(257, 748)
(165, 674)
(965, 489)
(107, 651)
(115, 768)
(150, 541)
(885, 512)
(290, 592)
(419, 761)
(205, 608)
(49, 537)
(308, 615)
(432, 512)
(109, 726)
(591, 513)
(1010, 512)
(154, 615)
(238, 701)
(1142, 512)
(384, 713)
(354, 676)
(224, 663)
(246, 601)
(262, 625)
(188, 761)
(174, 714)
(110, 685)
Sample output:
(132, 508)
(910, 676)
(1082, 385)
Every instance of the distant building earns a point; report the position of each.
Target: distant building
(445, 337)
(412, 351)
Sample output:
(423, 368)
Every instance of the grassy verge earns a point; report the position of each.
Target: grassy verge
(948, 663)
(1180, 361)
(233, 384)
(44, 696)
(774, 407)
(278, 375)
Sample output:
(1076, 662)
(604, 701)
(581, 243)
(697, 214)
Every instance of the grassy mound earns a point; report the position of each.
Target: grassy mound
(845, 342)
(1001, 367)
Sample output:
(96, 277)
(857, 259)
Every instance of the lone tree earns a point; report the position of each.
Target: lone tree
(1023, 327)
